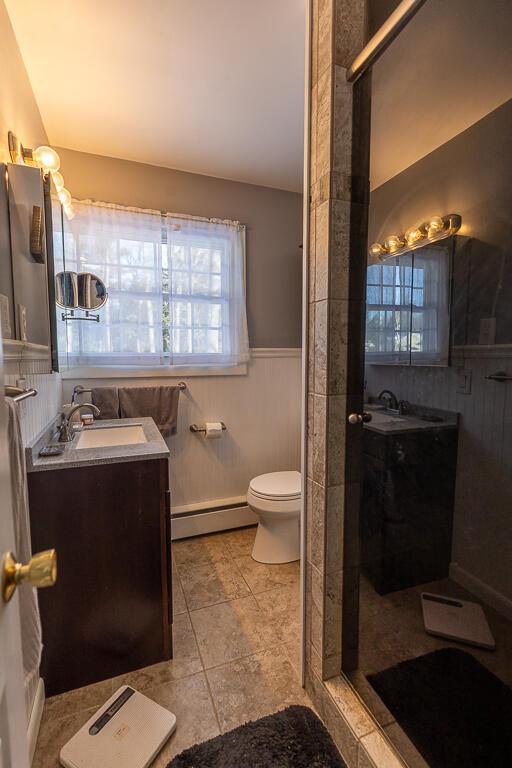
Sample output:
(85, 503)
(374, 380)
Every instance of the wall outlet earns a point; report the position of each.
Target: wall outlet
(464, 381)
(487, 330)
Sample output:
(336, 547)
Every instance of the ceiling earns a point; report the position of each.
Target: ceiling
(443, 73)
(210, 87)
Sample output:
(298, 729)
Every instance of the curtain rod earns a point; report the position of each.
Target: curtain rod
(135, 209)
(384, 36)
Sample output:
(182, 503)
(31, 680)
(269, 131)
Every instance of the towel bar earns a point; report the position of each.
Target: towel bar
(79, 389)
(17, 394)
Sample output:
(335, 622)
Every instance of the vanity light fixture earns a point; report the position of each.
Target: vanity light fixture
(48, 160)
(394, 243)
(64, 196)
(436, 228)
(58, 180)
(377, 250)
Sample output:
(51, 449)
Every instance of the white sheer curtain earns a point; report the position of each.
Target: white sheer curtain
(206, 292)
(176, 287)
(123, 247)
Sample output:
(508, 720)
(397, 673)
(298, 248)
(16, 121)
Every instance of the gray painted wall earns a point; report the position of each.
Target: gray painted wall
(470, 175)
(273, 218)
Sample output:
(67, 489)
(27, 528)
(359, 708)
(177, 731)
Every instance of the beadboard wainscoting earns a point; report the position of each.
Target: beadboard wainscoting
(262, 413)
(482, 525)
(35, 412)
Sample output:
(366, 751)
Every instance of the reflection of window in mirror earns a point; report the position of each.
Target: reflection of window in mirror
(408, 308)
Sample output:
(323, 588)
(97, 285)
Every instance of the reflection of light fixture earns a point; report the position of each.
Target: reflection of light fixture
(414, 234)
(58, 180)
(46, 158)
(377, 250)
(436, 228)
(64, 196)
(69, 211)
(394, 243)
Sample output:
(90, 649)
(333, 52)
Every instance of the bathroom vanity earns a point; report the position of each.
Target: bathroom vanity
(408, 495)
(105, 508)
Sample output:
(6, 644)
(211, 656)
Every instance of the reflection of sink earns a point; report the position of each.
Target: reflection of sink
(102, 437)
(386, 418)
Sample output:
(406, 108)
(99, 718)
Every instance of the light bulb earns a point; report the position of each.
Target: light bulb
(393, 243)
(435, 226)
(69, 211)
(376, 249)
(58, 180)
(414, 234)
(64, 196)
(46, 158)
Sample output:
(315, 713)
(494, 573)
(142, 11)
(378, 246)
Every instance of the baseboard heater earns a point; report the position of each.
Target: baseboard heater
(197, 519)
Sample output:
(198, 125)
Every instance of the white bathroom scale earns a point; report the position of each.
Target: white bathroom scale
(128, 731)
(454, 619)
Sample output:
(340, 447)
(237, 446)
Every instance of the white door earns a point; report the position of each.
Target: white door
(13, 718)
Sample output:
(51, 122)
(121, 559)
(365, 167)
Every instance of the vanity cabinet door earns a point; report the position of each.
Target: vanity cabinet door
(108, 613)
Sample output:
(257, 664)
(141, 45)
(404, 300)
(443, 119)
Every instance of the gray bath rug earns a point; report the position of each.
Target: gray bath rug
(293, 738)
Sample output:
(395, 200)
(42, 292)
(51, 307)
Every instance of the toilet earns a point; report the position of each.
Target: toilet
(275, 499)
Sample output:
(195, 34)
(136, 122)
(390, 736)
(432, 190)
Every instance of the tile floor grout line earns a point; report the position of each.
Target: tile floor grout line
(249, 655)
(205, 675)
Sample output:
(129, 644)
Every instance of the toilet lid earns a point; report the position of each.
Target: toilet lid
(277, 485)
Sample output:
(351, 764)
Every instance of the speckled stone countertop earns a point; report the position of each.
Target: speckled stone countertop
(418, 419)
(154, 448)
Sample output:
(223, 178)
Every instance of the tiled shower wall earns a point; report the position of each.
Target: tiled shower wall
(339, 149)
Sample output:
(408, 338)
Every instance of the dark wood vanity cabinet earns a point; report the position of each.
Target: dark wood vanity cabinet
(111, 609)
(407, 507)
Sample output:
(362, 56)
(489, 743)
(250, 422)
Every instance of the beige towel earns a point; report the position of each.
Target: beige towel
(29, 609)
(107, 400)
(161, 403)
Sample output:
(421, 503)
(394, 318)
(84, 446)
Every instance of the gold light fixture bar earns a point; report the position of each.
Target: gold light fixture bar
(436, 228)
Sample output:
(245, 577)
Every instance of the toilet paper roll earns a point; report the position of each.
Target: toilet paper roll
(213, 430)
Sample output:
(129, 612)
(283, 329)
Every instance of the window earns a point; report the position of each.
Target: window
(176, 288)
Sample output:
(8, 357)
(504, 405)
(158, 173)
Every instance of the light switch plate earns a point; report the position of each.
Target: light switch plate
(463, 381)
(5, 315)
(487, 331)
(22, 322)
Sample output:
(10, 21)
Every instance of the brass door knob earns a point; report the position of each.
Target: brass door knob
(359, 418)
(40, 571)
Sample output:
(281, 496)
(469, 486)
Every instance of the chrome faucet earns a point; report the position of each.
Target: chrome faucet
(390, 399)
(66, 432)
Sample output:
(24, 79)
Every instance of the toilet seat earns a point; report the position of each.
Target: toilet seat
(278, 486)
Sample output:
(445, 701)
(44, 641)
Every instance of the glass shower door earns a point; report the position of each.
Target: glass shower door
(431, 636)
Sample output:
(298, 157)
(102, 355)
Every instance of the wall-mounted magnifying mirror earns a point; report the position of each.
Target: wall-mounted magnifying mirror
(80, 291)
(66, 290)
(92, 293)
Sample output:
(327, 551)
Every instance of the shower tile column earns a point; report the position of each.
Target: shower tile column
(337, 202)
(337, 264)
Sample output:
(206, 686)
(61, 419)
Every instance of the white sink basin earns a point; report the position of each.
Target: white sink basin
(103, 437)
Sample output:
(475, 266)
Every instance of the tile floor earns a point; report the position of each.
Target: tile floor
(391, 630)
(236, 646)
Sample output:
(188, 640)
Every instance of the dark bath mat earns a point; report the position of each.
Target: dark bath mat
(293, 738)
(456, 712)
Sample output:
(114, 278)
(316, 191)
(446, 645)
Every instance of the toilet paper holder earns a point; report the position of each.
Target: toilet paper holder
(195, 428)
